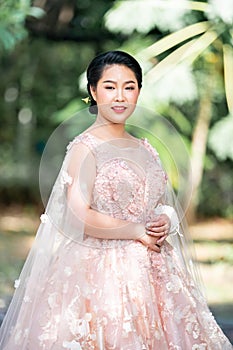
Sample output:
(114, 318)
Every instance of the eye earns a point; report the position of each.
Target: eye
(130, 88)
(109, 87)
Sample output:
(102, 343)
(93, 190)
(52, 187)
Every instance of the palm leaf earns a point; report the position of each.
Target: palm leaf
(228, 74)
(196, 5)
(173, 39)
(185, 4)
(189, 51)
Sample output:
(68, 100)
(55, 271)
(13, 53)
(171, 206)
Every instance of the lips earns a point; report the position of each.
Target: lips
(118, 109)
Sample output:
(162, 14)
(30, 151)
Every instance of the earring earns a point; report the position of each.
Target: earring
(86, 100)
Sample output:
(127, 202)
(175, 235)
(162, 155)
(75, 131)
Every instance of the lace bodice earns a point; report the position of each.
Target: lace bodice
(129, 181)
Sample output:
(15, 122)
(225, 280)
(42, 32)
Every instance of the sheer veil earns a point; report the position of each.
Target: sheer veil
(63, 226)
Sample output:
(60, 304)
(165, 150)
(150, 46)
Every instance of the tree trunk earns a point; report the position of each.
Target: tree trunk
(198, 150)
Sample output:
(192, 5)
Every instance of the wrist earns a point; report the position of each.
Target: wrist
(139, 231)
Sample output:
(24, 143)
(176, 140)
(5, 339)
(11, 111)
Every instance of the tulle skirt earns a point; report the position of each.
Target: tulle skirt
(118, 295)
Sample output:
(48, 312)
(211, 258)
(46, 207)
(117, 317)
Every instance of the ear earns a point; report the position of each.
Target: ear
(93, 92)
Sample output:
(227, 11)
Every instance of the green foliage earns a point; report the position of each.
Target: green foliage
(123, 16)
(216, 196)
(185, 65)
(42, 80)
(12, 19)
(36, 89)
(39, 89)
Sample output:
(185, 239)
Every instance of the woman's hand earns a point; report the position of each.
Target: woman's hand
(150, 242)
(159, 228)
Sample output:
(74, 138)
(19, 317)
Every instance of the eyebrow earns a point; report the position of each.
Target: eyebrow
(114, 82)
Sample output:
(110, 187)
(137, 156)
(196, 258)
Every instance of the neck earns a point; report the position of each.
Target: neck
(108, 129)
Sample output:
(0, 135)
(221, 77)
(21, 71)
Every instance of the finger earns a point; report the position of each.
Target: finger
(155, 248)
(157, 229)
(162, 239)
(156, 223)
(166, 230)
(160, 221)
(155, 234)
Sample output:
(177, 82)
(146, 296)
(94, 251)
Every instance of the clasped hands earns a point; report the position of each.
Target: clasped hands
(156, 232)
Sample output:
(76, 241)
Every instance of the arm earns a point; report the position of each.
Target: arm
(103, 226)
(82, 170)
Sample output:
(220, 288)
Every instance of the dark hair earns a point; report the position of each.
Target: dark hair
(99, 63)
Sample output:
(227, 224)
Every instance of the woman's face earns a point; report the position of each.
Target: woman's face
(116, 93)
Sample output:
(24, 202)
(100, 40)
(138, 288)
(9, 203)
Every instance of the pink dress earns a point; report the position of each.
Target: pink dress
(116, 294)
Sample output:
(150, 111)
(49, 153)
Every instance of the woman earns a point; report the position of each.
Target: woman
(101, 274)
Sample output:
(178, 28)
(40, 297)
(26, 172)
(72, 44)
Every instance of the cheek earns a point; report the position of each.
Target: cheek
(103, 95)
(133, 94)
(134, 97)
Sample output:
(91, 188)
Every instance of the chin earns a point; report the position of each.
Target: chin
(115, 118)
(118, 119)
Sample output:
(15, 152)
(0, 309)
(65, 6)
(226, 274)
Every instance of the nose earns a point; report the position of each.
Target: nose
(119, 95)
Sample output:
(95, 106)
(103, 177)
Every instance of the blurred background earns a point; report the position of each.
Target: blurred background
(186, 51)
